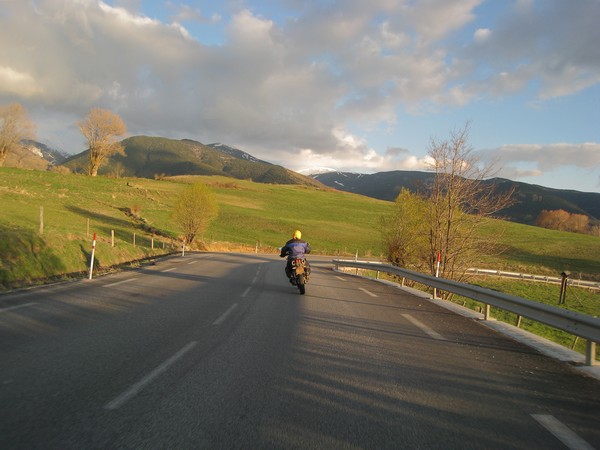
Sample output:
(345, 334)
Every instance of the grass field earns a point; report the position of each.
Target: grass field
(252, 216)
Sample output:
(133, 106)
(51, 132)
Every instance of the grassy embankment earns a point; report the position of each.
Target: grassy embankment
(251, 215)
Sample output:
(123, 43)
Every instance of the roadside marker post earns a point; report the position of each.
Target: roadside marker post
(92, 258)
(437, 273)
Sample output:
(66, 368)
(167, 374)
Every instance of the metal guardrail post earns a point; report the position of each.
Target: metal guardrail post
(590, 353)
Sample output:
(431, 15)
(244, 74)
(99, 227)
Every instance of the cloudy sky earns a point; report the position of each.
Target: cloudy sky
(354, 85)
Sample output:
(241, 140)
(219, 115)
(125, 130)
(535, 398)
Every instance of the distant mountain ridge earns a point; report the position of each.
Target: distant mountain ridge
(235, 152)
(34, 155)
(531, 199)
(148, 157)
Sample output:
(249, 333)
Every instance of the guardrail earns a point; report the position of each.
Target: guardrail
(539, 278)
(578, 324)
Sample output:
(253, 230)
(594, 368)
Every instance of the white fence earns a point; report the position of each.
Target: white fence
(538, 278)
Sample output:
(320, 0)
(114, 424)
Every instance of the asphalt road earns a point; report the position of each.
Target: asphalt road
(220, 351)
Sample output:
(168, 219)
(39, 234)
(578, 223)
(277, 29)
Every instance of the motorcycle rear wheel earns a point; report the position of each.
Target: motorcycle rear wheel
(300, 283)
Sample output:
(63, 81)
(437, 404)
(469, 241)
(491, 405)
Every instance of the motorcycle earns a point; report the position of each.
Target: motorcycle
(300, 272)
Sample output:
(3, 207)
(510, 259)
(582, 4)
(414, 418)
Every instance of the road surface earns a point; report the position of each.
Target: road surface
(217, 350)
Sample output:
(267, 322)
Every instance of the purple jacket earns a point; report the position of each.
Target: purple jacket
(295, 248)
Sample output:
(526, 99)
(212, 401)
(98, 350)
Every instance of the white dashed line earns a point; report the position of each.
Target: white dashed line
(368, 292)
(24, 305)
(424, 327)
(340, 278)
(192, 262)
(562, 432)
(119, 282)
(137, 387)
(224, 316)
(168, 270)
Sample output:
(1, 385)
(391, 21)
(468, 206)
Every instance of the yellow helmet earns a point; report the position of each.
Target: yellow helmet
(297, 235)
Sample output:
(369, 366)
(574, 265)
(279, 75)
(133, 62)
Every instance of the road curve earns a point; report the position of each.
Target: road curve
(219, 351)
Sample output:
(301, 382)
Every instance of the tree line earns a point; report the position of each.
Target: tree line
(562, 220)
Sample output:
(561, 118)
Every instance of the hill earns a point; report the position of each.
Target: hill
(138, 212)
(530, 199)
(155, 157)
(34, 155)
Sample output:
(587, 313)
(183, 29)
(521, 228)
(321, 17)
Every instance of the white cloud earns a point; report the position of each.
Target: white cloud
(551, 43)
(274, 86)
(482, 35)
(542, 159)
(18, 83)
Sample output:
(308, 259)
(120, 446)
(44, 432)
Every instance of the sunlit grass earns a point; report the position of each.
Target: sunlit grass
(252, 215)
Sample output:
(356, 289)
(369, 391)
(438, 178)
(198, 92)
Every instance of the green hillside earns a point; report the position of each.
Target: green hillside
(251, 215)
(157, 157)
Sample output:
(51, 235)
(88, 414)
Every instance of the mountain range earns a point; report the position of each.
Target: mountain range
(153, 157)
(530, 199)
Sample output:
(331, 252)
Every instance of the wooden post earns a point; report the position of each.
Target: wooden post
(152, 242)
(41, 220)
(112, 238)
(133, 240)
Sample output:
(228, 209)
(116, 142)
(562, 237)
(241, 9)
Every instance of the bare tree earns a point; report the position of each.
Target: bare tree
(101, 128)
(15, 126)
(448, 219)
(194, 210)
(460, 203)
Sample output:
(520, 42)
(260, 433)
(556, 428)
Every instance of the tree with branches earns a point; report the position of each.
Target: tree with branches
(405, 232)
(194, 210)
(15, 126)
(101, 128)
(456, 207)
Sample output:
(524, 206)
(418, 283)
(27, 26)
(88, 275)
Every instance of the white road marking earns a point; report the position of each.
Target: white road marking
(562, 432)
(168, 270)
(340, 278)
(193, 262)
(224, 316)
(137, 387)
(247, 291)
(119, 282)
(424, 327)
(368, 292)
(254, 280)
(10, 308)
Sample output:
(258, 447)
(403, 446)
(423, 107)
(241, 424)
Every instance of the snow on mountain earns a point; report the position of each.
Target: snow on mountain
(315, 171)
(233, 152)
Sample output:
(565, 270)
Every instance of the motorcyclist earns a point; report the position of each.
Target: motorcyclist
(293, 249)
